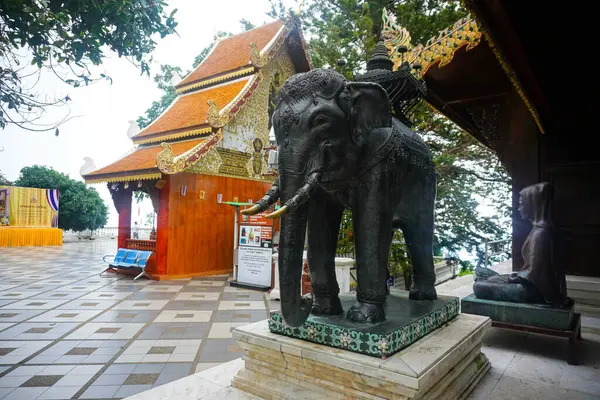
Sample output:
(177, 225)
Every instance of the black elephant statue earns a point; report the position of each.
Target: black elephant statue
(339, 148)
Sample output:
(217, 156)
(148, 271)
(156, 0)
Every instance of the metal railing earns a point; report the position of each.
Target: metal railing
(137, 244)
(110, 232)
(496, 247)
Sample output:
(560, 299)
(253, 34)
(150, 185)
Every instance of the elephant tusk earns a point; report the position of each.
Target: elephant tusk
(277, 213)
(255, 209)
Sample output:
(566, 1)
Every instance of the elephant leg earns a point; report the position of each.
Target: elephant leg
(372, 227)
(323, 227)
(419, 242)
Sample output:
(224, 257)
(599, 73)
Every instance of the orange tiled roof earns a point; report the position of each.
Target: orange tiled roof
(233, 52)
(189, 111)
(142, 160)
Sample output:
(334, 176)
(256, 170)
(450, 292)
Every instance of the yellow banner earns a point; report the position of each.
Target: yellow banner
(29, 207)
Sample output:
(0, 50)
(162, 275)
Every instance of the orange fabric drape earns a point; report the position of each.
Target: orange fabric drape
(16, 237)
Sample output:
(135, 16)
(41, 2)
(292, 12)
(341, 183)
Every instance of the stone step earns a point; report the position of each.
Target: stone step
(590, 325)
(587, 283)
(587, 310)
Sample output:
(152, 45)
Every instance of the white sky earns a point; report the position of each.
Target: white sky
(101, 130)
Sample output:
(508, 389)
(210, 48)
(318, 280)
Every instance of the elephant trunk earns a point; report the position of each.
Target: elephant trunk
(300, 197)
(294, 308)
(267, 201)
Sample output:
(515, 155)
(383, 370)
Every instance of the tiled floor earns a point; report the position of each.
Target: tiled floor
(66, 332)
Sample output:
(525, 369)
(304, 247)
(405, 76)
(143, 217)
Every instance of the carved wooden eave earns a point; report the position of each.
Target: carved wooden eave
(440, 50)
(168, 163)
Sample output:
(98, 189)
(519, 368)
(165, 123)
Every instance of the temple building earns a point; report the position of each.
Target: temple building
(209, 146)
(490, 74)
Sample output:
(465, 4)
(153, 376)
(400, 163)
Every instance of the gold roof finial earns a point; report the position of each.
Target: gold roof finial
(298, 12)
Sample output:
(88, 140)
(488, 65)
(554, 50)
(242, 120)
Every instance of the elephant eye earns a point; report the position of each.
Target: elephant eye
(320, 119)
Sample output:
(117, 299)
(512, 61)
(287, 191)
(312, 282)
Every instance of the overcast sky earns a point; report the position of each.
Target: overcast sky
(103, 110)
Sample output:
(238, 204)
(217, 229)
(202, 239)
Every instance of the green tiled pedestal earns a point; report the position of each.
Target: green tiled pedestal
(406, 322)
(537, 315)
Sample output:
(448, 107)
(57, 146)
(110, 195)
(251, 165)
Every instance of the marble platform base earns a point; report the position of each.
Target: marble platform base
(447, 364)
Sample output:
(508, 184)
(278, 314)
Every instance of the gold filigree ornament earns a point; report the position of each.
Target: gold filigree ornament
(167, 162)
(440, 48)
(216, 118)
(393, 34)
(255, 57)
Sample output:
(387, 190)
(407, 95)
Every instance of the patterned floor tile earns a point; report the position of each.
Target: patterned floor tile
(51, 382)
(58, 280)
(233, 289)
(58, 295)
(239, 316)
(213, 296)
(79, 287)
(6, 302)
(4, 325)
(130, 281)
(242, 305)
(222, 330)
(151, 296)
(82, 304)
(10, 315)
(162, 288)
(101, 295)
(242, 296)
(37, 331)
(127, 382)
(127, 316)
(16, 294)
(80, 352)
(207, 283)
(5, 287)
(176, 330)
(38, 304)
(161, 351)
(141, 305)
(201, 289)
(59, 315)
(191, 305)
(183, 316)
(105, 331)
(14, 352)
(220, 350)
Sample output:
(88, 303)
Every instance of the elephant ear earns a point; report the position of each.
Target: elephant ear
(370, 107)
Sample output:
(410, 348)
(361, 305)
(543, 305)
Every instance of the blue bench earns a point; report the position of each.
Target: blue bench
(127, 259)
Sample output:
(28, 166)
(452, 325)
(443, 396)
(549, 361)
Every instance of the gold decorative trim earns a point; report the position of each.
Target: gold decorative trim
(207, 82)
(509, 72)
(245, 178)
(216, 118)
(439, 49)
(168, 163)
(174, 136)
(142, 177)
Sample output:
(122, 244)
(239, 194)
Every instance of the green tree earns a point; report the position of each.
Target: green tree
(468, 172)
(80, 207)
(67, 37)
(4, 181)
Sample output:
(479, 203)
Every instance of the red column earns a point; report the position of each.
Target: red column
(124, 210)
(162, 229)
